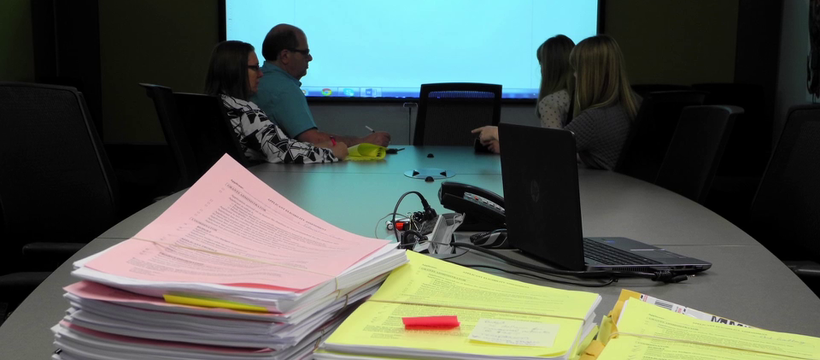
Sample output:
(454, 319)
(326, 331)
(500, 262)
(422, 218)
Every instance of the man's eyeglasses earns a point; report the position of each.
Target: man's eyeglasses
(304, 52)
(254, 67)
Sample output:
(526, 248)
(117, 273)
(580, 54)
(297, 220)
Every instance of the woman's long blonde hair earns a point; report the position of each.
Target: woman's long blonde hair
(600, 74)
(556, 73)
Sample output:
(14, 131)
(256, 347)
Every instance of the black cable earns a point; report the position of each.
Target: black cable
(376, 230)
(664, 276)
(454, 256)
(424, 204)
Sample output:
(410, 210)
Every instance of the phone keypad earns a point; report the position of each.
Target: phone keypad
(483, 201)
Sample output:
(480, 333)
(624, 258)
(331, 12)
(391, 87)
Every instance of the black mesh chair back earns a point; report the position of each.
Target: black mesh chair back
(209, 130)
(749, 146)
(448, 111)
(175, 134)
(652, 131)
(696, 149)
(57, 186)
(786, 207)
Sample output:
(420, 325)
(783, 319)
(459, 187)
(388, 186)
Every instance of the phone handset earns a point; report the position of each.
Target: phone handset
(483, 209)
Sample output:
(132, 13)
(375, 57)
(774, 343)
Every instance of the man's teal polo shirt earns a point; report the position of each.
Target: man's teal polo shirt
(280, 97)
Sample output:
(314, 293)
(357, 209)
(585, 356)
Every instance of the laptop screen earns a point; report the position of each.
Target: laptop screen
(541, 195)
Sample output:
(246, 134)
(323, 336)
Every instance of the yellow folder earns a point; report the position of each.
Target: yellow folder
(366, 152)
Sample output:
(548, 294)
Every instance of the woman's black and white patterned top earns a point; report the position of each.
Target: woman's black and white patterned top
(553, 109)
(262, 140)
(600, 135)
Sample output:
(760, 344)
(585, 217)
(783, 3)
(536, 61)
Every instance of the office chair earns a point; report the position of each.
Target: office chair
(695, 151)
(747, 151)
(57, 190)
(652, 131)
(209, 131)
(785, 210)
(175, 134)
(749, 146)
(448, 111)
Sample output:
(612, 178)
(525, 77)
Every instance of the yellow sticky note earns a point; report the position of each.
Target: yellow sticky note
(592, 351)
(607, 328)
(212, 303)
(516, 333)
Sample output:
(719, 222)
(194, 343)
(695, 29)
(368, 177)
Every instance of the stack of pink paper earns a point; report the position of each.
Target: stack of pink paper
(231, 270)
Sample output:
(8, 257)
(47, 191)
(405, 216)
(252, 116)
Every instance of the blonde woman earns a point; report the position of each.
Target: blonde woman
(604, 105)
(555, 93)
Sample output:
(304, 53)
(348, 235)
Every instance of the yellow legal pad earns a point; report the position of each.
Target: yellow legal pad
(428, 287)
(647, 331)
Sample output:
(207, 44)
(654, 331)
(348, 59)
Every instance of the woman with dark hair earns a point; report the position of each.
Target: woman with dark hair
(555, 93)
(233, 75)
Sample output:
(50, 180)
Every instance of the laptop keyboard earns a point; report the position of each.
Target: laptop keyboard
(609, 255)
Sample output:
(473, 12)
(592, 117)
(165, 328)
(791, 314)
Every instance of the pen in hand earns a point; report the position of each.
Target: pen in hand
(369, 128)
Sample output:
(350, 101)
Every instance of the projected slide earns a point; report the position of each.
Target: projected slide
(385, 48)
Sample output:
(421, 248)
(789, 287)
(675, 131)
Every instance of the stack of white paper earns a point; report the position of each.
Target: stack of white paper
(231, 270)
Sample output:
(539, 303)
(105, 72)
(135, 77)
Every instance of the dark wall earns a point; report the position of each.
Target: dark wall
(66, 39)
(151, 41)
(675, 42)
(16, 54)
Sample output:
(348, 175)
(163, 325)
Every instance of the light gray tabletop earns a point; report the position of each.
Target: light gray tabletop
(746, 283)
(451, 158)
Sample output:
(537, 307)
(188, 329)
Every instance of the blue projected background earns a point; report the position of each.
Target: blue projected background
(382, 48)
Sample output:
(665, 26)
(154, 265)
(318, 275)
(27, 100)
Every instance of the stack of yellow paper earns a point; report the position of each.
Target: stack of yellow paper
(645, 331)
(500, 318)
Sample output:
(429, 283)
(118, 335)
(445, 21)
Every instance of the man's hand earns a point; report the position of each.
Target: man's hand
(487, 134)
(380, 138)
(494, 146)
(340, 150)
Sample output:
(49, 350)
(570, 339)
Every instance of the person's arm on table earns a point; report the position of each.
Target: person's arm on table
(315, 136)
(254, 130)
(278, 148)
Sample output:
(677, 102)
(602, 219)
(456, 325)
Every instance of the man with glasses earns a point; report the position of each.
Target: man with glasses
(287, 56)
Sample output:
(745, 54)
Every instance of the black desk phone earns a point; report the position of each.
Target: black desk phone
(484, 210)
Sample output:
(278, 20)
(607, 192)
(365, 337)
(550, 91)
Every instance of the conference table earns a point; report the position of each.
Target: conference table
(746, 282)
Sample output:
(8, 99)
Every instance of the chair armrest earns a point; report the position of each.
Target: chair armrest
(15, 287)
(51, 249)
(47, 256)
(804, 268)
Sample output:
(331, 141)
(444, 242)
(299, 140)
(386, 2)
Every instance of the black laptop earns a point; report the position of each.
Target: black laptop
(543, 207)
